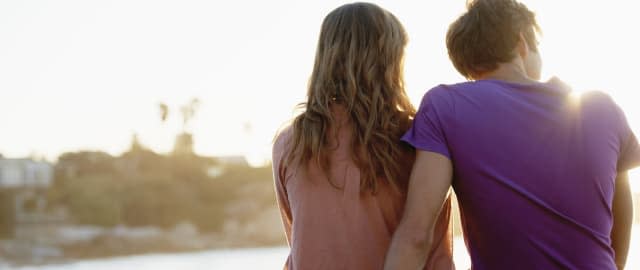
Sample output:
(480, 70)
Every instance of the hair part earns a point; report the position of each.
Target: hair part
(358, 65)
(487, 35)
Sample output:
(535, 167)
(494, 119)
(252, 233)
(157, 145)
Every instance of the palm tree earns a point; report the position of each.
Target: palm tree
(188, 112)
(164, 111)
(184, 140)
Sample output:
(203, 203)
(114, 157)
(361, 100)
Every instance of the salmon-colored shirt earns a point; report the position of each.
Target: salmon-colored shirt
(342, 228)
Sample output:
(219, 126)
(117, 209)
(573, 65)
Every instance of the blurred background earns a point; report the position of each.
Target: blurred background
(137, 134)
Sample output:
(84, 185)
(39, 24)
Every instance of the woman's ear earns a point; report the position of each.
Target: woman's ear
(523, 46)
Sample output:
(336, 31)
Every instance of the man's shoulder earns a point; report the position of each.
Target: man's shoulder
(599, 102)
(439, 93)
(597, 96)
(453, 87)
(464, 88)
(449, 92)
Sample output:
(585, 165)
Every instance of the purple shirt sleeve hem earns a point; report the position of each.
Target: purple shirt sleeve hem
(427, 148)
(630, 156)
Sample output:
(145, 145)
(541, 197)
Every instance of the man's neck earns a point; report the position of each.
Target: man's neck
(509, 72)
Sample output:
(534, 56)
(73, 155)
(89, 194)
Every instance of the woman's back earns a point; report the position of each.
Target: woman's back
(341, 169)
(334, 225)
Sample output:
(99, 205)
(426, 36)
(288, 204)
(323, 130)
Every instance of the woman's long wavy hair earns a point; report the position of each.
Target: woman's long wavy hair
(358, 65)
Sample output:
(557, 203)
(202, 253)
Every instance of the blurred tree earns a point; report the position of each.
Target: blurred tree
(144, 188)
(83, 163)
(184, 141)
(183, 145)
(140, 188)
(136, 146)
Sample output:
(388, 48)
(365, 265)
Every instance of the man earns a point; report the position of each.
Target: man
(541, 175)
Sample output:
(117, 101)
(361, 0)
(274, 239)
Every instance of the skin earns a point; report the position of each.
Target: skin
(622, 219)
(428, 187)
(431, 179)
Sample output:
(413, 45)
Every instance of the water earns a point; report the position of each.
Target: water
(260, 258)
(264, 258)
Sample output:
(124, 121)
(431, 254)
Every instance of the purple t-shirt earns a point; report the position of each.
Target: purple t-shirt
(534, 170)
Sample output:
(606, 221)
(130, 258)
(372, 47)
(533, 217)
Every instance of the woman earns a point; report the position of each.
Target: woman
(340, 169)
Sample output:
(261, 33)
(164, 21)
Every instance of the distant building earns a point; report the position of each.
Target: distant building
(23, 183)
(25, 173)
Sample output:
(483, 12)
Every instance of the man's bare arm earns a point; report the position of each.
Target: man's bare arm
(622, 219)
(428, 188)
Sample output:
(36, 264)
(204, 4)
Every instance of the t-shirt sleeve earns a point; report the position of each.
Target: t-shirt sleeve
(629, 155)
(279, 177)
(629, 152)
(427, 132)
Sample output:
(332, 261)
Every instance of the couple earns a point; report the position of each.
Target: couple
(363, 180)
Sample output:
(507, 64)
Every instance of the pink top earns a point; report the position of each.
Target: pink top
(342, 228)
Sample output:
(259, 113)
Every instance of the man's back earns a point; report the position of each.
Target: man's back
(534, 170)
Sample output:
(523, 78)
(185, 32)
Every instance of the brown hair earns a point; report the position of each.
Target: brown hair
(359, 65)
(487, 35)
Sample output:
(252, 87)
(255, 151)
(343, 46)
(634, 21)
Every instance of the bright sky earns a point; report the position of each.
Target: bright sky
(77, 74)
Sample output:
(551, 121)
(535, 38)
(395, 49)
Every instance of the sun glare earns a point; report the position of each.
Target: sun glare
(574, 97)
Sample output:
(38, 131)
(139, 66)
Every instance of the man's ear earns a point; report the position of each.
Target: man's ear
(523, 46)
